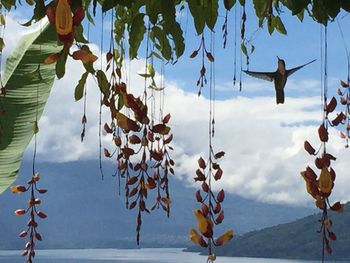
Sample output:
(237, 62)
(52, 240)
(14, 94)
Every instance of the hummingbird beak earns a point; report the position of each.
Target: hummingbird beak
(278, 58)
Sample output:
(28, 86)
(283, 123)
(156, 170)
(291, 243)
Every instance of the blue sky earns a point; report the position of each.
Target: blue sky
(263, 142)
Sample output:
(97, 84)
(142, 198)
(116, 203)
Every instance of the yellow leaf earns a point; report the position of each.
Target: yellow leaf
(325, 181)
(194, 236)
(64, 18)
(202, 221)
(223, 239)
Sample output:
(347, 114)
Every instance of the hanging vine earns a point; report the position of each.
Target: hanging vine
(320, 186)
(210, 212)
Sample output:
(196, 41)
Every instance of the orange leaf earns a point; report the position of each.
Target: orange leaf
(18, 189)
(64, 18)
(51, 58)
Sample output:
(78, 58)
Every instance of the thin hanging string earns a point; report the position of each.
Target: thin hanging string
(212, 47)
(235, 48)
(2, 33)
(346, 50)
(36, 110)
(100, 106)
(241, 56)
(321, 68)
(146, 63)
(84, 120)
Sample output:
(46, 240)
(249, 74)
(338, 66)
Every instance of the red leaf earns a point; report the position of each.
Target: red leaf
(221, 196)
(220, 217)
(198, 196)
(200, 176)
(20, 212)
(166, 118)
(132, 180)
(205, 187)
(106, 153)
(217, 208)
(38, 237)
(218, 174)
(107, 128)
(201, 163)
(132, 205)
(332, 236)
(23, 234)
(205, 209)
(41, 215)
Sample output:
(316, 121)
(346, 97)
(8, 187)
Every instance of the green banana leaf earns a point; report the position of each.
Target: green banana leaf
(25, 76)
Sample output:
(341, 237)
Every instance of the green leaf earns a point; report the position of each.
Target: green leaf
(78, 34)
(345, 4)
(229, 4)
(244, 49)
(280, 26)
(61, 63)
(178, 39)
(212, 13)
(163, 42)
(152, 10)
(102, 82)
(20, 101)
(197, 12)
(2, 44)
(137, 31)
(79, 89)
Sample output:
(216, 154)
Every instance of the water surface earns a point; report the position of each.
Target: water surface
(147, 255)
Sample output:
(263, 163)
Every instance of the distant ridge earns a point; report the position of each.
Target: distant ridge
(86, 212)
(295, 240)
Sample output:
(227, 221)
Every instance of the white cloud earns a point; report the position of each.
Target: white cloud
(263, 142)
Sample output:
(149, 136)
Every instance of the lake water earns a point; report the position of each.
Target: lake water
(154, 255)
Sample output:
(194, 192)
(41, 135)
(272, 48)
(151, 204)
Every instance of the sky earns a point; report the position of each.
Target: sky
(263, 141)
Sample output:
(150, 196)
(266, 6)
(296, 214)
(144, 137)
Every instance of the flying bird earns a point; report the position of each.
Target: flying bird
(279, 77)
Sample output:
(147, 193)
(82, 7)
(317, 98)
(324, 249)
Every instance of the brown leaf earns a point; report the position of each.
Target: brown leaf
(194, 54)
(219, 155)
(134, 139)
(343, 84)
(323, 133)
(337, 207)
(339, 119)
(210, 57)
(106, 152)
(309, 148)
(331, 105)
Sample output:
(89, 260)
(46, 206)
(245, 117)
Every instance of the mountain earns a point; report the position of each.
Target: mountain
(87, 212)
(295, 240)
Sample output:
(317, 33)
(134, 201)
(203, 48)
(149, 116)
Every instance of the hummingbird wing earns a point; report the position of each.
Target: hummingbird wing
(292, 70)
(261, 75)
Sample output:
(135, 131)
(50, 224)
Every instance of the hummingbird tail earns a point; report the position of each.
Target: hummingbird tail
(279, 96)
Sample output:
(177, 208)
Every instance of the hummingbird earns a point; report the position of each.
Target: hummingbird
(279, 77)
